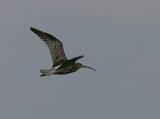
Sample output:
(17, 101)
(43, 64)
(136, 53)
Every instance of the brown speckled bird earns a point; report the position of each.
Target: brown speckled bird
(61, 65)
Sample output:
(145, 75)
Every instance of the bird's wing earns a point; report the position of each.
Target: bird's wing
(55, 46)
(71, 61)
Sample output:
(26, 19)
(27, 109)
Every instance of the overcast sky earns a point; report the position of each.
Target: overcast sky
(119, 38)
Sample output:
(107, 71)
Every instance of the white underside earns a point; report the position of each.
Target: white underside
(48, 72)
(56, 67)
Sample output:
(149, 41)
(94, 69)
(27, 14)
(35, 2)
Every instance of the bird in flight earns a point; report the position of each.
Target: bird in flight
(61, 65)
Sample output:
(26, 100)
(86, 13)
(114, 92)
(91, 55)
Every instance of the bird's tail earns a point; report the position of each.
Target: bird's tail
(43, 71)
(46, 72)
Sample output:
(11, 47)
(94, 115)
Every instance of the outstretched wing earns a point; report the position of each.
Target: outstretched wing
(71, 61)
(55, 46)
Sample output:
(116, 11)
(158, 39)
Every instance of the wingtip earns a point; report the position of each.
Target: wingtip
(32, 29)
(36, 31)
(82, 56)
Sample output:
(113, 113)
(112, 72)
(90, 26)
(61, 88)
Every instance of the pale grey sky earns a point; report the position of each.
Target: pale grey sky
(119, 38)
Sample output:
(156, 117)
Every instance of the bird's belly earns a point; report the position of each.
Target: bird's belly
(65, 70)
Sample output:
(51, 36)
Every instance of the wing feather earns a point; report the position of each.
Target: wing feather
(54, 45)
(71, 61)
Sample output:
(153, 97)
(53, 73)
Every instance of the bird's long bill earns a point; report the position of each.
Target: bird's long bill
(89, 68)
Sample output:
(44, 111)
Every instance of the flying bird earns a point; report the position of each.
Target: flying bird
(61, 65)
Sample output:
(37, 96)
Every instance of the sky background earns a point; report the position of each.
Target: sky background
(119, 38)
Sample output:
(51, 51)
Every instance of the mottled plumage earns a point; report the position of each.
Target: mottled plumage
(54, 45)
(61, 65)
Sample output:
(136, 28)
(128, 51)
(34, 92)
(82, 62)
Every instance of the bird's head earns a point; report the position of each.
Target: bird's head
(79, 65)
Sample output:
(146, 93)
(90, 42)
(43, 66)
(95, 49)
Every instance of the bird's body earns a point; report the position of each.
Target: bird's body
(61, 65)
